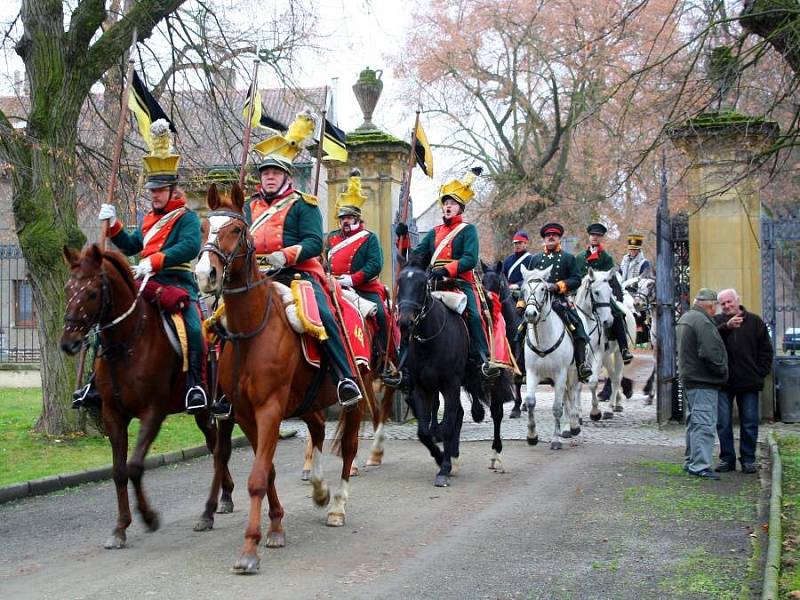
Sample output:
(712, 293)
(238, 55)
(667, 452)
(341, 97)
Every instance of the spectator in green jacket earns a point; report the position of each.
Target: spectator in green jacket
(703, 369)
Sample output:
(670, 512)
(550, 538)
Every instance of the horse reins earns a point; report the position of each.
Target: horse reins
(424, 309)
(534, 303)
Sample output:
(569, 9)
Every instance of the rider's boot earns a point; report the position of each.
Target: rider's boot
(196, 399)
(221, 409)
(618, 329)
(584, 371)
(86, 396)
(347, 392)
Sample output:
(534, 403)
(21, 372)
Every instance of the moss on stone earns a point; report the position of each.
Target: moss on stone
(720, 122)
(357, 138)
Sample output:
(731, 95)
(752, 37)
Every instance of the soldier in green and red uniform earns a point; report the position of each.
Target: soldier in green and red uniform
(168, 240)
(286, 226)
(452, 249)
(354, 254)
(596, 257)
(563, 281)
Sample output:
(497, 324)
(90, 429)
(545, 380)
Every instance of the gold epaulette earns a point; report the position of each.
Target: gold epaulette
(309, 198)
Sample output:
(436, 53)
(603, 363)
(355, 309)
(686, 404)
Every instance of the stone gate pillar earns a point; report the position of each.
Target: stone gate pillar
(724, 203)
(382, 160)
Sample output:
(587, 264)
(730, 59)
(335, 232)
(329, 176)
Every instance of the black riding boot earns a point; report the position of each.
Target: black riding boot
(618, 330)
(196, 399)
(584, 371)
(86, 396)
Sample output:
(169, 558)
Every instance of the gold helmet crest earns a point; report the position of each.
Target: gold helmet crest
(280, 150)
(460, 190)
(350, 202)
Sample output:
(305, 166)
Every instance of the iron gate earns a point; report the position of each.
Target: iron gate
(680, 277)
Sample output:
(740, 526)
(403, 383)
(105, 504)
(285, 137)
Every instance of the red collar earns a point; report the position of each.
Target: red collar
(594, 255)
(457, 220)
(172, 204)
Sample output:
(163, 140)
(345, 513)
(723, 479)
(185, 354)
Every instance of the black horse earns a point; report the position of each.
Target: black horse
(494, 280)
(437, 345)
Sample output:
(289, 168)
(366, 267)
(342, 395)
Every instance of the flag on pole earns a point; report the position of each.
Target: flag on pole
(145, 108)
(260, 118)
(333, 143)
(422, 150)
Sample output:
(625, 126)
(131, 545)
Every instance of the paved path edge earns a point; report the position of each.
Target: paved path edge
(772, 566)
(53, 483)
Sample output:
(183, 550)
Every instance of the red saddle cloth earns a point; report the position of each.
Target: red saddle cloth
(501, 353)
(169, 298)
(355, 330)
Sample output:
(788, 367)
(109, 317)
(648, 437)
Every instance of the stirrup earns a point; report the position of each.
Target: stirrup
(584, 373)
(221, 409)
(392, 379)
(627, 356)
(348, 393)
(195, 400)
(489, 371)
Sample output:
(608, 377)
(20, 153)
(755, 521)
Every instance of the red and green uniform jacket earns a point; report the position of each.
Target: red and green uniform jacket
(358, 255)
(565, 270)
(598, 259)
(170, 239)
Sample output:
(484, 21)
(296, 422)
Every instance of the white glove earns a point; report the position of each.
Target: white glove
(107, 211)
(145, 267)
(345, 280)
(276, 259)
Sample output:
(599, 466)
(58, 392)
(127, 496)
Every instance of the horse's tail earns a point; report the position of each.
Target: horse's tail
(474, 387)
(367, 402)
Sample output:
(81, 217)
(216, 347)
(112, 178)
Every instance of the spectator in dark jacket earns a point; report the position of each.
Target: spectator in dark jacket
(749, 362)
(703, 368)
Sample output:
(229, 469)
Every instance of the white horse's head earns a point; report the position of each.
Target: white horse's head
(645, 294)
(535, 292)
(599, 290)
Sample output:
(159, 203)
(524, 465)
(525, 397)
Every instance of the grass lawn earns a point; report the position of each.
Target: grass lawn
(27, 455)
(790, 557)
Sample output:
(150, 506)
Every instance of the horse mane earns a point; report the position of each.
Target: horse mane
(122, 266)
(417, 261)
(582, 292)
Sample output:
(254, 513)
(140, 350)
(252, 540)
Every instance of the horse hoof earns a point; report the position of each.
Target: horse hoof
(354, 472)
(566, 434)
(580, 420)
(374, 461)
(152, 521)
(335, 520)
(115, 542)
(275, 539)
(595, 416)
(306, 475)
(618, 408)
(524, 408)
(648, 401)
(225, 506)
(320, 500)
(575, 431)
(608, 415)
(532, 441)
(204, 524)
(442, 481)
(247, 565)
(515, 413)
(555, 445)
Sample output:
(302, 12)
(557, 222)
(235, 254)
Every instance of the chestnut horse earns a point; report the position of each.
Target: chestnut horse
(137, 374)
(264, 375)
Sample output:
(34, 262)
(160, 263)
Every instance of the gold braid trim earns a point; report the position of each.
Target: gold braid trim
(318, 331)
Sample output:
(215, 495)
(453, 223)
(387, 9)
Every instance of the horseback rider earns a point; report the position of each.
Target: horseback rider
(167, 241)
(598, 259)
(286, 225)
(451, 250)
(563, 281)
(634, 264)
(354, 254)
(512, 265)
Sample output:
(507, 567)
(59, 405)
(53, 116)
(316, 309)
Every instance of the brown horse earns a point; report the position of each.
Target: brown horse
(137, 374)
(264, 375)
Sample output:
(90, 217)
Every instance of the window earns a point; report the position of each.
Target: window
(24, 313)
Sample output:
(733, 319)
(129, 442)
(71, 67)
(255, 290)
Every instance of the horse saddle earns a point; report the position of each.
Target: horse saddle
(175, 329)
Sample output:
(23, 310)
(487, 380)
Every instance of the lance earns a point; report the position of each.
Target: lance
(112, 180)
(321, 140)
(248, 126)
(403, 241)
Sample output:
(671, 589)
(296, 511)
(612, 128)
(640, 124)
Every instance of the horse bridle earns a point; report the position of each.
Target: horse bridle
(531, 299)
(424, 309)
(106, 305)
(227, 259)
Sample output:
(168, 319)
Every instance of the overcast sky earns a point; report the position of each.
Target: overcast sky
(356, 34)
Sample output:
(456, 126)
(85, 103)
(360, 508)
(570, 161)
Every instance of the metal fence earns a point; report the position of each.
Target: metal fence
(19, 336)
(780, 274)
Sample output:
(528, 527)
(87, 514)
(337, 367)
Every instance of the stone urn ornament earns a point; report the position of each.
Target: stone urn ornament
(368, 90)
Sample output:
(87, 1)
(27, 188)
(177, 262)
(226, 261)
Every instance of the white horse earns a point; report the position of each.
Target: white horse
(640, 297)
(548, 354)
(593, 301)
